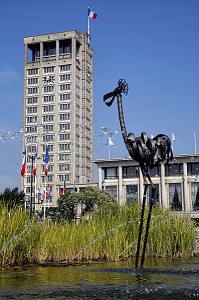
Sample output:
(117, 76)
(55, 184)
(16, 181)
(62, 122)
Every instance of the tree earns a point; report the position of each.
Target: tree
(90, 198)
(12, 197)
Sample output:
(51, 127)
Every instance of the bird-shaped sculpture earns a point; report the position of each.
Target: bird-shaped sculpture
(148, 152)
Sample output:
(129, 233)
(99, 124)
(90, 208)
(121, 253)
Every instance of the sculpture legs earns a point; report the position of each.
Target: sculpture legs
(141, 225)
(151, 202)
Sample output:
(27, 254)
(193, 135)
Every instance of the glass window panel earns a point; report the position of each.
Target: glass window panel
(193, 169)
(175, 196)
(195, 195)
(112, 190)
(129, 172)
(131, 193)
(173, 169)
(111, 173)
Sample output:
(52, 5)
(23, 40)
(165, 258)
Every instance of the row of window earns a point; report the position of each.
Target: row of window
(50, 108)
(175, 194)
(170, 170)
(48, 98)
(35, 71)
(35, 80)
(49, 89)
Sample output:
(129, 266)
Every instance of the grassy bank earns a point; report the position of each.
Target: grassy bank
(108, 236)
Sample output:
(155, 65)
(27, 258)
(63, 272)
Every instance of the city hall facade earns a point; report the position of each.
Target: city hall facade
(177, 183)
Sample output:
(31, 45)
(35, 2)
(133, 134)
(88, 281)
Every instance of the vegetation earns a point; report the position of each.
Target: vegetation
(109, 235)
(89, 198)
(13, 197)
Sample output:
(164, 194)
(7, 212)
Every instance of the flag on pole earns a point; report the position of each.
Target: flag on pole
(35, 165)
(48, 191)
(45, 192)
(174, 138)
(46, 161)
(23, 167)
(110, 142)
(92, 14)
(38, 196)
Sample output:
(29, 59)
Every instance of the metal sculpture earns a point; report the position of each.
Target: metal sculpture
(148, 152)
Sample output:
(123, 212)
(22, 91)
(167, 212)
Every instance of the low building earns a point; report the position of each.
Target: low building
(177, 184)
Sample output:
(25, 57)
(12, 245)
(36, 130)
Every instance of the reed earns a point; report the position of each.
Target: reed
(109, 235)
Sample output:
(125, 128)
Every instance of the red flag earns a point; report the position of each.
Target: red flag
(23, 167)
(35, 165)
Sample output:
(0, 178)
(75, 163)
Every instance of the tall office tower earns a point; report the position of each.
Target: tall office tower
(58, 116)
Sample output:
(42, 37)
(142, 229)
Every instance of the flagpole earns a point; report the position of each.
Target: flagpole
(194, 136)
(45, 200)
(88, 29)
(35, 178)
(172, 139)
(109, 148)
(35, 191)
(25, 177)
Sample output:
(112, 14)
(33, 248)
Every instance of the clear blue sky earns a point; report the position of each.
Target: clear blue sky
(153, 44)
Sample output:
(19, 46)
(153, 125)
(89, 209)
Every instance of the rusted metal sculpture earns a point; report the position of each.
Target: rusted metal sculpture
(148, 152)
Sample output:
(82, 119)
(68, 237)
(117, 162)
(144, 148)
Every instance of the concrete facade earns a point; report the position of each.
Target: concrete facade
(58, 112)
(177, 184)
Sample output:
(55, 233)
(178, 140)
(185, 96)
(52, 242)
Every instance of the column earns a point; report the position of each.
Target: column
(100, 178)
(163, 186)
(57, 50)
(185, 189)
(120, 190)
(41, 52)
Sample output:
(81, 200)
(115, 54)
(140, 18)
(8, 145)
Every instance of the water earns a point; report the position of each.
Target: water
(161, 279)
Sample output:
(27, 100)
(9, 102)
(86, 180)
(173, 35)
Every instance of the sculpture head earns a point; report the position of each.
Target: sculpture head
(121, 88)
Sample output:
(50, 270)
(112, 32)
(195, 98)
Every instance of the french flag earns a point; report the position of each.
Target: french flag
(92, 14)
(35, 165)
(38, 196)
(23, 167)
(46, 161)
(45, 192)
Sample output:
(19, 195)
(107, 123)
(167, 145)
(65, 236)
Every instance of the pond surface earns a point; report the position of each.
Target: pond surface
(161, 279)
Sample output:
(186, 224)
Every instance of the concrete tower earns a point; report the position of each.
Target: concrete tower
(58, 113)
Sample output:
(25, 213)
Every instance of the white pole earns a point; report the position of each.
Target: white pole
(88, 30)
(194, 136)
(109, 151)
(35, 191)
(35, 162)
(25, 176)
(172, 142)
(45, 200)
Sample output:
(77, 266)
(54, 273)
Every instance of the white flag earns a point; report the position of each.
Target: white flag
(174, 138)
(110, 142)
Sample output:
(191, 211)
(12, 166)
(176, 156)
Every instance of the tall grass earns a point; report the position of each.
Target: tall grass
(108, 236)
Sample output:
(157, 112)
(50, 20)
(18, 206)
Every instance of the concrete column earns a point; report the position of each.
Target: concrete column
(25, 55)
(163, 187)
(120, 190)
(57, 49)
(185, 197)
(100, 178)
(41, 52)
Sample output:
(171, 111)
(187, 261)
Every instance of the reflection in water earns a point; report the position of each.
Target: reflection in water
(168, 279)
